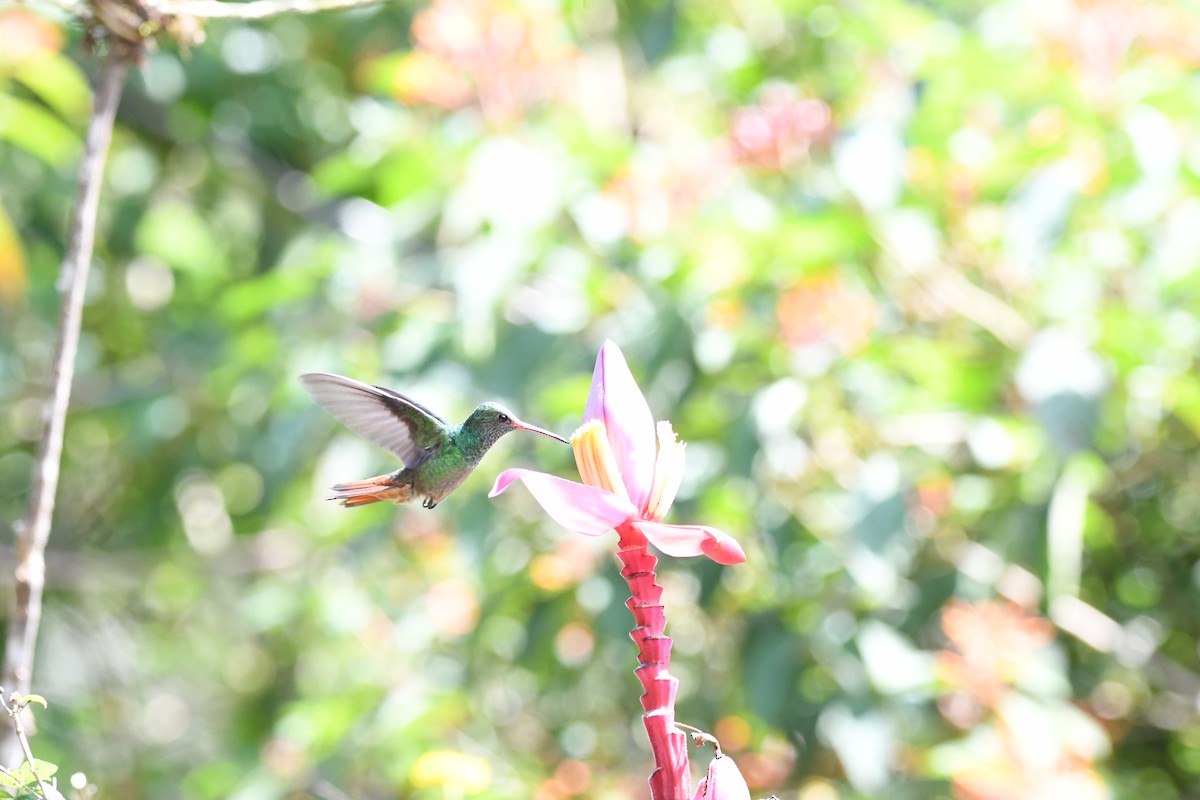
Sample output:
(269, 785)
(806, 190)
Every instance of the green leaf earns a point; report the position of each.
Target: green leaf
(24, 774)
(59, 83)
(252, 298)
(177, 233)
(342, 174)
(31, 127)
(35, 698)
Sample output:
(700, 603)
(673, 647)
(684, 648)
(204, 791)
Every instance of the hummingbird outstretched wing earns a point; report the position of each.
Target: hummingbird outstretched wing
(387, 418)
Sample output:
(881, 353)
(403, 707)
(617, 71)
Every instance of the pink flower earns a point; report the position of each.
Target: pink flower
(628, 477)
(724, 781)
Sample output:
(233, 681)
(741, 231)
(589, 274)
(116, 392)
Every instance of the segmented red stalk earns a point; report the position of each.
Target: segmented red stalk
(670, 779)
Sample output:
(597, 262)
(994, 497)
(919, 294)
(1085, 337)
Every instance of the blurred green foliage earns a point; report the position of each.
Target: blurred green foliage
(916, 281)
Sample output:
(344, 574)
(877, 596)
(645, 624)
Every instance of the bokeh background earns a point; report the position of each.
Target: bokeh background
(917, 281)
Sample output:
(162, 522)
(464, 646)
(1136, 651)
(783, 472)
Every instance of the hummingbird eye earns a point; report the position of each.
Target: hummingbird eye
(503, 418)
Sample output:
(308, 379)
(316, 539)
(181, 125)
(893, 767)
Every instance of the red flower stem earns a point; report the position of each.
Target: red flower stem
(670, 779)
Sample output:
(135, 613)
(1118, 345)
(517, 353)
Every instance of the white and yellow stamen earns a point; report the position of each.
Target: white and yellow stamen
(668, 472)
(594, 458)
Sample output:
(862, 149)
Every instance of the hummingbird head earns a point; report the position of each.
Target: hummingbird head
(490, 421)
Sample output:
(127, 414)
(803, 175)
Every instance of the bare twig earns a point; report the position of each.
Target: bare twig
(951, 291)
(327, 791)
(1101, 632)
(941, 288)
(31, 537)
(257, 9)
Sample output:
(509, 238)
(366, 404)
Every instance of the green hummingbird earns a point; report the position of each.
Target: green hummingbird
(437, 456)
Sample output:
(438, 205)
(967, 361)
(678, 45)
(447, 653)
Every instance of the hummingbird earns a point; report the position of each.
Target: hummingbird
(437, 456)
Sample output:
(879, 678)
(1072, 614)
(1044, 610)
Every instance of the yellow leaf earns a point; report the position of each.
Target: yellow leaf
(457, 772)
(12, 261)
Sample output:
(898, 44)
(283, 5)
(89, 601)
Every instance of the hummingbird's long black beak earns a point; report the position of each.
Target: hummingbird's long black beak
(525, 426)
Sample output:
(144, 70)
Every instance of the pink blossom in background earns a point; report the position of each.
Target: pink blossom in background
(777, 132)
(506, 56)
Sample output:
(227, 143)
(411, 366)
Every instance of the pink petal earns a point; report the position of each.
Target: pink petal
(616, 400)
(575, 506)
(692, 540)
(724, 781)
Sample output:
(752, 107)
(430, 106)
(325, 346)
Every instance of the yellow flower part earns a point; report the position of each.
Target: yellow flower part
(594, 457)
(457, 773)
(668, 472)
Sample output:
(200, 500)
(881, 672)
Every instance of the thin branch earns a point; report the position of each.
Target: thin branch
(942, 289)
(1101, 632)
(327, 791)
(30, 573)
(257, 9)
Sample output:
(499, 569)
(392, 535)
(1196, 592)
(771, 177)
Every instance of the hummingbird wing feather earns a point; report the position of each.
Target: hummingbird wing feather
(387, 418)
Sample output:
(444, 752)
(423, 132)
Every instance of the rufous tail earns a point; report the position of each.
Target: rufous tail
(372, 490)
